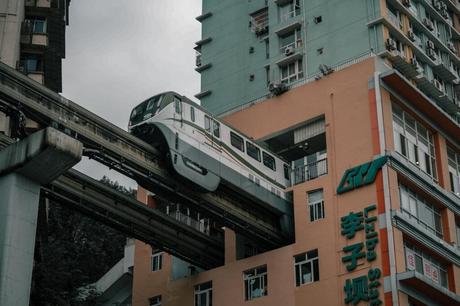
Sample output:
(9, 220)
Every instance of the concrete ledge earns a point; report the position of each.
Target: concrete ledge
(42, 156)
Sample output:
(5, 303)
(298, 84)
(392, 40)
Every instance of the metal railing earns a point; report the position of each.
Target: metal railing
(290, 15)
(310, 171)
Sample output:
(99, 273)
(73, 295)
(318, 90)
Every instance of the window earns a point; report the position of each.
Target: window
(292, 72)
(253, 151)
(306, 267)
(32, 63)
(454, 170)
(157, 259)
(267, 75)
(316, 205)
(425, 264)
(415, 207)
(289, 10)
(237, 141)
(203, 294)
(292, 39)
(178, 105)
(216, 128)
(269, 161)
(35, 25)
(155, 301)
(192, 114)
(255, 283)
(286, 172)
(457, 226)
(259, 22)
(267, 48)
(207, 123)
(414, 141)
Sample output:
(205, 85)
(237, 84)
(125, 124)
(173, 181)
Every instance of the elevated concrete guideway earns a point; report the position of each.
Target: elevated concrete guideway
(24, 167)
(131, 156)
(90, 197)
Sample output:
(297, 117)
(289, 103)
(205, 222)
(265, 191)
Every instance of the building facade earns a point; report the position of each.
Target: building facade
(375, 198)
(251, 50)
(32, 40)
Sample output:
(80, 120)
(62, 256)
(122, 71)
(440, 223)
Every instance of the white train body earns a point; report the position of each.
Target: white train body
(208, 152)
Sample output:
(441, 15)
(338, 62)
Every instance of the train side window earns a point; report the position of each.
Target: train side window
(237, 141)
(178, 105)
(253, 151)
(216, 128)
(192, 113)
(207, 124)
(269, 161)
(286, 172)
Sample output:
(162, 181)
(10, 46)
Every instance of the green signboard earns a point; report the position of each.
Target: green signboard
(361, 175)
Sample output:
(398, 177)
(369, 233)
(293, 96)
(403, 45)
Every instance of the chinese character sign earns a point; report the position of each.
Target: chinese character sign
(362, 288)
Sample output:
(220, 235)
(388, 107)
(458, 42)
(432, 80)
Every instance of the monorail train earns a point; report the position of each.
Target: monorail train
(206, 151)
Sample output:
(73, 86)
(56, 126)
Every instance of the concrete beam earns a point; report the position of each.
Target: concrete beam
(41, 157)
(24, 166)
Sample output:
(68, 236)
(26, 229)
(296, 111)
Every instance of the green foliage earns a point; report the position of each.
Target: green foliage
(72, 251)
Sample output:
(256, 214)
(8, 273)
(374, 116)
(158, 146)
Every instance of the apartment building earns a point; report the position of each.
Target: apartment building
(254, 49)
(32, 40)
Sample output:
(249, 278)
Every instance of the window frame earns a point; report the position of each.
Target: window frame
(234, 136)
(192, 114)
(416, 207)
(250, 277)
(155, 301)
(206, 292)
(266, 158)
(156, 260)
(316, 208)
(424, 260)
(250, 153)
(296, 75)
(414, 141)
(311, 259)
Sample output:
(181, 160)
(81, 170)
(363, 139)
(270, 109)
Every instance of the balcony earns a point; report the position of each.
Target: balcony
(259, 22)
(310, 171)
(38, 3)
(422, 288)
(33, 33)
(290, 15)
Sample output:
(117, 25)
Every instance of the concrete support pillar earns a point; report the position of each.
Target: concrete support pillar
(24, 167)
(18, 220)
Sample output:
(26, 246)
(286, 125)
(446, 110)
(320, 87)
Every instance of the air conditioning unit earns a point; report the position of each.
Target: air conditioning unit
(437, 84)
(411, 35)
(289, 51)
(277, 88)
(429, 44)
(451, 46)
(406, 3)
(391, 44)
(432, 54)
(427, 23)
(437, 5)
(445, 13)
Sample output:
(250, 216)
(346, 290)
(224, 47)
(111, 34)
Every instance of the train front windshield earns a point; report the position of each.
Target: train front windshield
(145, 110)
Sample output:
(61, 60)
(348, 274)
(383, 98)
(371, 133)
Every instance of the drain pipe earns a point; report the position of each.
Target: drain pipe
(386, 190)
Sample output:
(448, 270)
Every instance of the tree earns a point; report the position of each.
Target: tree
(75, 251)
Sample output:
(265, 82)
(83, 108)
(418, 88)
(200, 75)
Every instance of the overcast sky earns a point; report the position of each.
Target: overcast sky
(121, 52)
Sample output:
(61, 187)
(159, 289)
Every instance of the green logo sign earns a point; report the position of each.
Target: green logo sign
(361, 175)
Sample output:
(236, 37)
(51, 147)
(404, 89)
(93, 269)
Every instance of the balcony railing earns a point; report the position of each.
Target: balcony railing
(290, 15)
(310, 171)
(200, 225)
